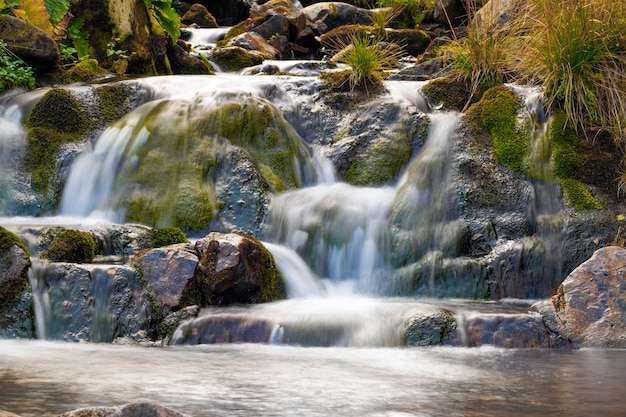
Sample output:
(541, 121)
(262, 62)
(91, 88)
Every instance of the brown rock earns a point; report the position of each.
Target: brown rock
(590, 305)
(168, 274)
(236, 269)
(252, 41)
(199, 15)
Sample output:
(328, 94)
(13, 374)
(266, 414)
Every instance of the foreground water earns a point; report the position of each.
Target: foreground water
(45, 378)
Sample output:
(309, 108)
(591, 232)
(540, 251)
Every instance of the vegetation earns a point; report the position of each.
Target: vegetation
(577, 52)
(415, 8)
(8, 239)
(578, 197)
(13, 71)
(67, 245)
(369, 60)
(165, 236)
(482, 58)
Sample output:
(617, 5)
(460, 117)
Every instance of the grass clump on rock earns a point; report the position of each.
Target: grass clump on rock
(67, 245)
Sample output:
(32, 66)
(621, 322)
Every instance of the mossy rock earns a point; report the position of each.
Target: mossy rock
(234, 58)
(165, 236)
(238, 29)
(450, 93)
(114, 101)
(60, 111)
(85, 71)
(68, 245)
(498, 113)
(43, 145)
(171, 179)
(9, 239)
(577, 195)
(380, 164)
(565, 146)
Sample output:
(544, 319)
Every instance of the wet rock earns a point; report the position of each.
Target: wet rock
(15, 291)
(253, 42)
(234, 58)
(419, 72)
(127, 410)
(588, 308)
(275, 25)
(414, 42)
(508, 331)
(94, 303)
(211, 329)
(29, 43)
(184, 63)
(199, 15)
(169, 276)
(335, 14)
(432, 328)
(236, 269)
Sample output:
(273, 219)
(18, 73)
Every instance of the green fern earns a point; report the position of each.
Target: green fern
(165, 16)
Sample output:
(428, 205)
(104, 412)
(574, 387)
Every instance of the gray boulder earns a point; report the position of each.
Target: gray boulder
(589, 306)
(431, 329)
(335, 14)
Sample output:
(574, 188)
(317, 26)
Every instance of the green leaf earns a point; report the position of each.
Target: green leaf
(34, 11)
(79, 37)
(166, 17)
(3, 4)
(57, 9)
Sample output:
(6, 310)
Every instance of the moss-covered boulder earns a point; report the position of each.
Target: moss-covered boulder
(85, 71)
(56, 119)
(165, 236)
(237, 268)
(212, 161)
(235, 58)
(15, 292)
(68, 245)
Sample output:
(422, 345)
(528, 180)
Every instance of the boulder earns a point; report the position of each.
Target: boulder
(236, 268)
(29, 43)
(335, 14)
(275, 25)
(432, 328)
(252, 41)
(223, 329)
(15, 292)
(514, 331)
(127, 410)
(199, 15)
(234, 58)
(169, 276)
(589, 308)
(80, 302)
(184, 63)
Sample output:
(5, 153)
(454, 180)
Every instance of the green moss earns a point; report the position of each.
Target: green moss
(194, 207)
(565, 146)
(238, 29)
(43, 145)
(234, 58)
(87, 70)
(380, 164)
(498, 115)
(578, 197)
(165, 236)
(69, 245)
(114, 101)
(55, 119)
(60, 111)
(8, 239)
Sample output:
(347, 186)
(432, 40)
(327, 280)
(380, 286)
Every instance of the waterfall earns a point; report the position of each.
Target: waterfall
(41, 298)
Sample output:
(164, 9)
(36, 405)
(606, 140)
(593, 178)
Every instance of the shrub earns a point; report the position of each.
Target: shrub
(13, 71)
(482, 59)
(577, 52)
(368, 61)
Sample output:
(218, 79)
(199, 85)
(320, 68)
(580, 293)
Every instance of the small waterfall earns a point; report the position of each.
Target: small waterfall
(41, 298)
(340, 230)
